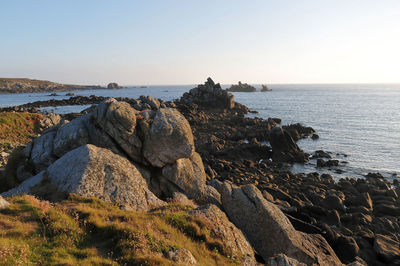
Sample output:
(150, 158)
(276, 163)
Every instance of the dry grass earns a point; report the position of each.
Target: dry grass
(17, 128)
(88, 231)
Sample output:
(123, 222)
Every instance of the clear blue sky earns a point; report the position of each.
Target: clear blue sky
(185, 41)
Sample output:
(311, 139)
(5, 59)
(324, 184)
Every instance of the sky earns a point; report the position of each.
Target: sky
(169, 42)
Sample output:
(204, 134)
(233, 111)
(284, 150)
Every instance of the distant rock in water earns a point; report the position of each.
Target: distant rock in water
(113, 86)
(242, 87)
(264, 88)
(209, 95)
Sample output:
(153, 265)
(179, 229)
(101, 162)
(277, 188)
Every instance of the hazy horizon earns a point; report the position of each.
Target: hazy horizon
(182, 43)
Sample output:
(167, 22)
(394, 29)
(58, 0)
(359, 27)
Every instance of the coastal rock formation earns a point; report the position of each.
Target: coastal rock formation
(113, 86)
(187, 174)
(257, 218)
(264, 88)
(182, 257)
(209, 95)
(3, 203)
(100, 173)
(219, 225)
(242, 87)
(168, 138)
(118, 121)
(284, 148)
(298, 131)
(160, 143)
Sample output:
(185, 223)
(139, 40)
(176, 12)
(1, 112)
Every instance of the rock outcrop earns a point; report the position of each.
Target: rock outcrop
(242, 87)
(113, 86)
(187, 174)
(100, 173)
(269, 230)
(158, 142)
(219, 225)
(168, 138)
(264, 88)
(284, 148)
(182, 257)
(3, 203)
(209, 95)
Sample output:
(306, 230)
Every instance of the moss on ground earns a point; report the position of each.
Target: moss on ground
(88, 231)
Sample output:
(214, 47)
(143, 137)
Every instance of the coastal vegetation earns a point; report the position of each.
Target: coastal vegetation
(88, 231)
(18, 128)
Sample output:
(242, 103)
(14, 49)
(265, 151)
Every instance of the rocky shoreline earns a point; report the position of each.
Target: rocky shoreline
(219, 156)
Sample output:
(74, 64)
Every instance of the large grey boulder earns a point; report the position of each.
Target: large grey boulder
(269, 230)
(168, 138)
(219, 225)
(187, 174)
(93, 171)
(70, 136)
(100, 173)
(118, 120)
(40, 151)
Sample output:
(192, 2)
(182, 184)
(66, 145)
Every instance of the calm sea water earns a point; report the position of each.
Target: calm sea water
(361, 121)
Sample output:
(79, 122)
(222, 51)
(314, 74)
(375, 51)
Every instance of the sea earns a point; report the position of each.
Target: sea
(358, 124)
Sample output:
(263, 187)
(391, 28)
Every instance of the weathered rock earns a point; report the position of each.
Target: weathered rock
(242, 87)
(182, 257)
(153, 103)
(113, 86)
(268, 229)
(386, 248)
(333, 202)
(283, 260)
(70, 136)
(3, 203)
(209, 95)
(40, 151)
(387, 209)
(168, 139)
(49, 121)
(298, 131)
(187, 174)
(284, 149)
(346, 249)
(219, 225)
(328, 163)
(265, 88)
(96, 172)
(118, 120)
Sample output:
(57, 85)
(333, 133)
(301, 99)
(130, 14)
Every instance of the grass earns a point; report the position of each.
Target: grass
(88, 231)
(17, 129)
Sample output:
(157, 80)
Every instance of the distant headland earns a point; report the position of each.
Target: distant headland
(25, 85)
